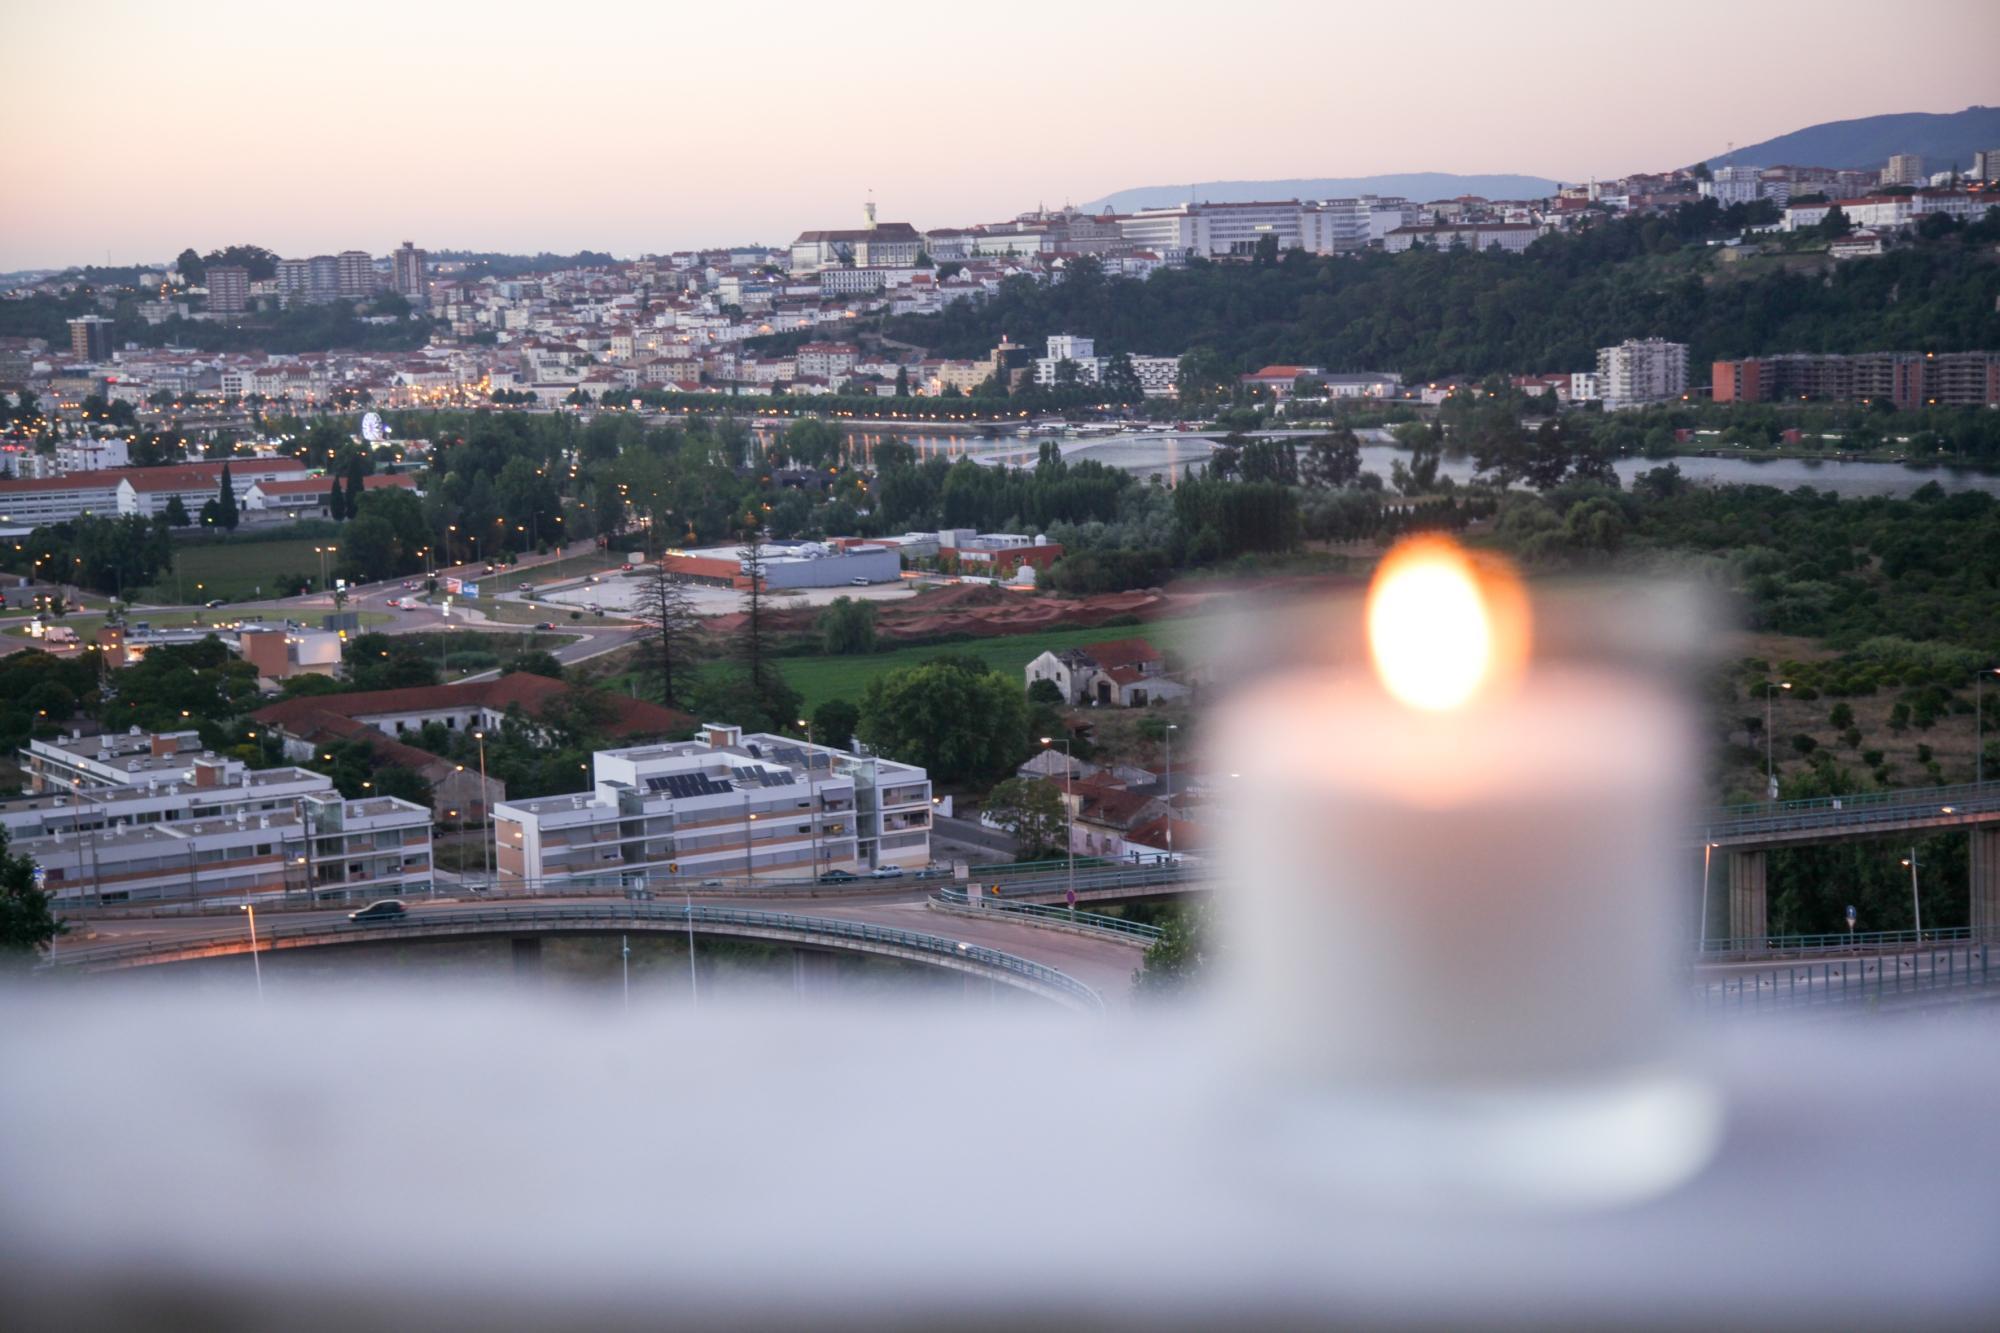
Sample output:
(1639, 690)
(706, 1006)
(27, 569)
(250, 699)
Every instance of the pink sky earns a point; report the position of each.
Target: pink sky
(131, 130)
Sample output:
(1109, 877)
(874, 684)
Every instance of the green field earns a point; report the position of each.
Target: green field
(234, 571)
(818, 679)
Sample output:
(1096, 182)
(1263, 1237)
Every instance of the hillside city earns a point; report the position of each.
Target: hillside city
(1062, 666)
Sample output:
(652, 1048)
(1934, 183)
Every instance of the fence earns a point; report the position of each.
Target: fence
(1850, 980)
(1839, 942)
(1062, 916)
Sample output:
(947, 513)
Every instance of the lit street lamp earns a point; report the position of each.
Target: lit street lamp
(1916, 902)
(1069, 813)
(1979, 722)
(1770, 763)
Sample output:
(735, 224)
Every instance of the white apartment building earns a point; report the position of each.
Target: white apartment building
(725, 805)
(1640, 371)
(1892, 212)
(35, 501)
(1513, 237)
(1904, 169)
(1159, 376)
(1734, 185)
(135, 815)
(1080, 351)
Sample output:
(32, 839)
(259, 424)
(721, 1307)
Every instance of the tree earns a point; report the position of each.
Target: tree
(902, 381)
(1032, 810)
(1835, 224)
(192, 269)
(536, 664)
(667, 607)
(176, 512)
(847, 626)
(26, 921)
(1332, 461)
(225, 502)
(336, 501)
(1178, 956)
(833, 723)
(753, 644)
(950, 714)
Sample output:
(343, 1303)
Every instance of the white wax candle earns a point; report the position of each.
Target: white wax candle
(1474, 895)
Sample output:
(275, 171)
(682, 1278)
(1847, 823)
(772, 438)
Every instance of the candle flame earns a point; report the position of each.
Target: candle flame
(1440, 627)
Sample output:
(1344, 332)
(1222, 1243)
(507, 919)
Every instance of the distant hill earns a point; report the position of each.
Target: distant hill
(1422, 186)
(1943, 139)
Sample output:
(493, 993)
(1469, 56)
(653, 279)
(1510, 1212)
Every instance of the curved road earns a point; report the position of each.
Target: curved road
(1106, 964)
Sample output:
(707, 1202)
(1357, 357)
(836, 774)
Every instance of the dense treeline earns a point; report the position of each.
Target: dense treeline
(1428, 313)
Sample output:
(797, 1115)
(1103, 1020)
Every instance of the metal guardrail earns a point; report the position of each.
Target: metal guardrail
(1853, 980)
(609, 915)
(1842, 942)
(1063, 916)
(1858, 810)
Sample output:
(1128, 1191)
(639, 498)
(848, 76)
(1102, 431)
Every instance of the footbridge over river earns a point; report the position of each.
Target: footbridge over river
(1743, 835)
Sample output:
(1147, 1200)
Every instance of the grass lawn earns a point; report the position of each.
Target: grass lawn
(235, 571)
(818, 679)
(468, 652)
(570, 567)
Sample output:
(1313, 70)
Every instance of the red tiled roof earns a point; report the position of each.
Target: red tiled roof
(1121, 652)
(629, 717)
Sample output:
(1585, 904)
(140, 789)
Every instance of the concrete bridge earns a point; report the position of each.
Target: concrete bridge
(1745, 834)
(1077, 968)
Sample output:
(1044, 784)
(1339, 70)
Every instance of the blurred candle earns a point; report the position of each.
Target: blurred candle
(1452, 868)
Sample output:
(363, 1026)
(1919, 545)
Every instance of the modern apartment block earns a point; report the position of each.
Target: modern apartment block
(1904, 169)
(355, 274)
(1640, 371)
(143, 816)
(409, 272)
(90, 338)
(1907, 379)
(228, 289)
(722, 806)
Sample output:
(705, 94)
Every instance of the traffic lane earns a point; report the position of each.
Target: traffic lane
(1104, 964)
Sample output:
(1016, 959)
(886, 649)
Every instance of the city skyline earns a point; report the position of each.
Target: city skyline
(660, 140)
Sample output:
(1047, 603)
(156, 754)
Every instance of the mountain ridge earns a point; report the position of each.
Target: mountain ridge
(1943, 138)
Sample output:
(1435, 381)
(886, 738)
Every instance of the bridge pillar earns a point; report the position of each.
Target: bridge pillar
(1985, 881)
(527, 951)
(813, 972)
(1747, 921)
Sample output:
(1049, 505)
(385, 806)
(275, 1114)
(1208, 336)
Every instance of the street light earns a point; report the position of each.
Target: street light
(1979, 722)
(255, 962)
(1171, 729)
(485, 844)
(1916, 901)
(1069, 812)
(1770, 764)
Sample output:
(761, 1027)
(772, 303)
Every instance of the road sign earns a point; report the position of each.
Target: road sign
(1850, 916)
(1069, 897)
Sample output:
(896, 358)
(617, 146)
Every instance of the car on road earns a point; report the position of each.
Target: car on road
(393, 601)
(492, 568)
(711, 884)
(859, 583)
(409, 585)
(886, 872)
(838, 877)
(383, 909)
(626, 567)
(545, 624)
(214, 602)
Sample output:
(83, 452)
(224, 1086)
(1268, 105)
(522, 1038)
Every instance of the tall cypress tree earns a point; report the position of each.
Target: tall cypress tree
(225, 501)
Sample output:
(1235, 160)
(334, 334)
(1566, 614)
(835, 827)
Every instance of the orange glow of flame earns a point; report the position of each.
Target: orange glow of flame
(1442, 626)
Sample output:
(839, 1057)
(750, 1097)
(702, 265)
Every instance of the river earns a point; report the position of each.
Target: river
(1172, 454)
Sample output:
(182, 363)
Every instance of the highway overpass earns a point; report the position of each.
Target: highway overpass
(1744, 835)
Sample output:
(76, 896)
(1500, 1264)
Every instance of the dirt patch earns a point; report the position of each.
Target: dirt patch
(977, 610)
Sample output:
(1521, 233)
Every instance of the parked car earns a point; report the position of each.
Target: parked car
(886, 872)
(859, 583)
(385, 909)
(838, 877)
